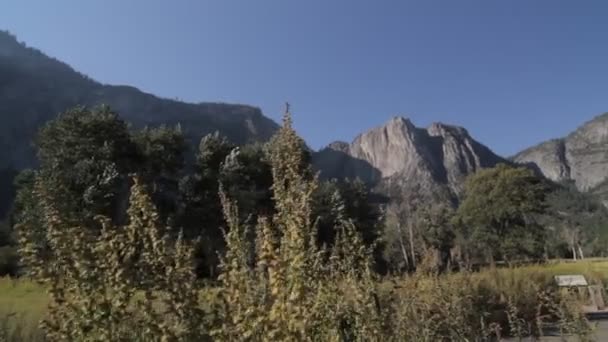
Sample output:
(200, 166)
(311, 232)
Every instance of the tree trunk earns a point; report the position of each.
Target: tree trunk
(580, 252)
(412, 245)
(444, 259)
(403, 247)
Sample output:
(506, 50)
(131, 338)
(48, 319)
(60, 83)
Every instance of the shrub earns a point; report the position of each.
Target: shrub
(120, 283)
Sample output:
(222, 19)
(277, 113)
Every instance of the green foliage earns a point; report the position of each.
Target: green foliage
(335, 201)
(409, 224)
(201, 212)
(496, 219)
(213, 150)
(161, 161)
(162, 150)
(84, 158)
(437, 234)
(246, 178)
(28, 217)
(25, 206)
(439, 231)
(577, 222)
(9, 260)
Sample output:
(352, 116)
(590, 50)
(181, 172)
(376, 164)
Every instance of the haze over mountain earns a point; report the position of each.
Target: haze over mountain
(35, 88)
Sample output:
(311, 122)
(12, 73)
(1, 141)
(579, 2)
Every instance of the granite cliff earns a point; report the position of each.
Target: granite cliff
(399, 155)
(581, 157)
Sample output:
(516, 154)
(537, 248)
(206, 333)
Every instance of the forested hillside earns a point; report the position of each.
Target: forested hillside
(35, 88)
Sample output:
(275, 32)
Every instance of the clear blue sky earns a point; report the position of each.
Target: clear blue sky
(514, 72)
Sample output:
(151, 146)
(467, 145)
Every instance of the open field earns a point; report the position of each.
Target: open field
(23, 303)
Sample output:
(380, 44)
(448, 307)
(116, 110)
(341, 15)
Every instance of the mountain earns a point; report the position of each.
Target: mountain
(34, 88)
(399, 156)
(581, 157)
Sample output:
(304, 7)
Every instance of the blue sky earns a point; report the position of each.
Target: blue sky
(512, 72)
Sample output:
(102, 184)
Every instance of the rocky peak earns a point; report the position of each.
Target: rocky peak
(594, 131)
(441, 129)
(581, 157)
(440, 155)
(341, 146)
(396, 131)
(400, 122)
(395, 147)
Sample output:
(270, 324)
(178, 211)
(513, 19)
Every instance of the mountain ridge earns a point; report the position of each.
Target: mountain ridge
(580, 157)
(35, 88)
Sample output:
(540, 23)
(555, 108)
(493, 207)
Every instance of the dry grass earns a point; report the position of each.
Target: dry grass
(459, 298)
(22, 306)
(505, 301)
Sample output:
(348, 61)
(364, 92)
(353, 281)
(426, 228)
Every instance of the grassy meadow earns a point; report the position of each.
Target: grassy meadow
(23, 302)
(22, 305)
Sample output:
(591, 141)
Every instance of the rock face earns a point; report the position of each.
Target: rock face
(581, 157)
(35, 88)
(402, 155)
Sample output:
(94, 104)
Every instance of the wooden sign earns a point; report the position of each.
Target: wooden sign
(571, 280)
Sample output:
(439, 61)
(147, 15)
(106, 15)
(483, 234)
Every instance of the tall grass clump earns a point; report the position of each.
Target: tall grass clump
(487, 305)
(114, 284)
(285, 287)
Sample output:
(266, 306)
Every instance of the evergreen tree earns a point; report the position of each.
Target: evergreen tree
(246, 178)
(161, 153)
(85, 156)
(201, 211)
